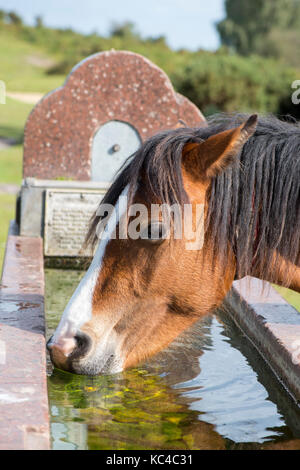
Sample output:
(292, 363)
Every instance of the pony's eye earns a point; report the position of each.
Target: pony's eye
(155, 232)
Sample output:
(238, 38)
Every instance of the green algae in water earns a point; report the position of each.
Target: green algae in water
(209, 390)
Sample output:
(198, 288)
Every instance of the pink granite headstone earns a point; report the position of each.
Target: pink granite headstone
(133, 98)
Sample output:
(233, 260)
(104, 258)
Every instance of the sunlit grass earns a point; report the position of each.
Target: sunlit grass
(13, 116)
(291, 296)
(11, 165)
(7, 213)
(19, 71)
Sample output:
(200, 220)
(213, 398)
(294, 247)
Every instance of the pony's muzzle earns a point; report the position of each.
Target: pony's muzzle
(66, 349)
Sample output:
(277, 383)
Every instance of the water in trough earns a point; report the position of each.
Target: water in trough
(209, 390)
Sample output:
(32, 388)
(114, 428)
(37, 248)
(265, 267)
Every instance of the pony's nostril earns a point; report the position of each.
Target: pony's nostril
(83, 345)
(69, 347)
(64, 347)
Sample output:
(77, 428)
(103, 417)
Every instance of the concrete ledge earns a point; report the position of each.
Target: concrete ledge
(272, 325)
(24, 415)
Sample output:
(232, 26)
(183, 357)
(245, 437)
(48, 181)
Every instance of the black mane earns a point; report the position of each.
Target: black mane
(253, 206)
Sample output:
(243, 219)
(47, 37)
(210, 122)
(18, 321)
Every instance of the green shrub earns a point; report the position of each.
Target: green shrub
(225, 82)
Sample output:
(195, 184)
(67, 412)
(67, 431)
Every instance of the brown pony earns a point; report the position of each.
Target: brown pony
(141, 292)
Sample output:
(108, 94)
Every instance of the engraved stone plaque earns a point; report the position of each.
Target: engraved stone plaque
(67, 215)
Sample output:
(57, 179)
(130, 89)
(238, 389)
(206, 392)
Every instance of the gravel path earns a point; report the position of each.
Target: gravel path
(9, 188)
(30, 98)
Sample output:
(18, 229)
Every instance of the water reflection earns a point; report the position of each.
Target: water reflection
(209, 390)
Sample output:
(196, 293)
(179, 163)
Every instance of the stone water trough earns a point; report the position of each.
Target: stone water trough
(76, 138)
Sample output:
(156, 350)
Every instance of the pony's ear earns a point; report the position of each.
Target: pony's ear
(206, 159)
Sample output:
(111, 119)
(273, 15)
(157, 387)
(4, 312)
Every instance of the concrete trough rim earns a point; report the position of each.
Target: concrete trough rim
(24, 404)
(272, 325)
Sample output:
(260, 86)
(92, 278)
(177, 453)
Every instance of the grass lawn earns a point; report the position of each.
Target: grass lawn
(10, 172)
(291, 296)
(23, 69)
(11, 164)
(23, 66)
(7, 213)
(13, 116)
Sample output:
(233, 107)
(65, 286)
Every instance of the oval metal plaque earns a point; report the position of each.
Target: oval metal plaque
(113, 143)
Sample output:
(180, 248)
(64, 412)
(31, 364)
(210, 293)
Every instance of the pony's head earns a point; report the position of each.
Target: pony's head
(145, 283)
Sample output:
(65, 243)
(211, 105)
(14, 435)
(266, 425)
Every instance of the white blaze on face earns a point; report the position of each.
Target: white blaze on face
(79, 309)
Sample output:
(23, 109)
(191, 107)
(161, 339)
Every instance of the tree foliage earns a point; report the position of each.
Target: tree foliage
(259, 26)
(13, 18)
(222, 82)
